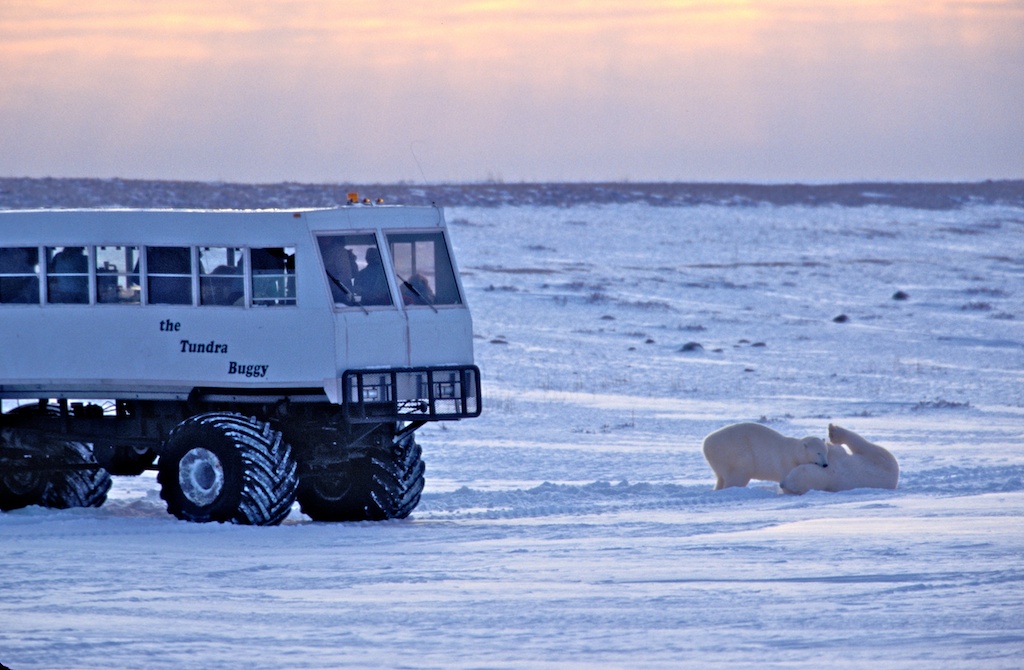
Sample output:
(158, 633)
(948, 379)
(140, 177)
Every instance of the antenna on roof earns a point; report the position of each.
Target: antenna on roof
(417, 160)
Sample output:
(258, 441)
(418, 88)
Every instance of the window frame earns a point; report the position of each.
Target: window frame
(377, 236)
(35, 275)
(129, 274)
(451, 271)
(241, 264)
(250, 274)
(49, 276)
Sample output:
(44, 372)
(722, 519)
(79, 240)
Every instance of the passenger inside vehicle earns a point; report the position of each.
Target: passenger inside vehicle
(352, 285)
(67, 275)
(371, 283)
(223, 286)
(19, 279)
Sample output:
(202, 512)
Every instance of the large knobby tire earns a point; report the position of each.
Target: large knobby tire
(22, 488)
(57, 488)
(61, 489)
(226, 467)
(385, 483)
(84, 487)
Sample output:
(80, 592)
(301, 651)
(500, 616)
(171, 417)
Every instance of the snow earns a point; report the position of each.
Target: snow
(573, 525)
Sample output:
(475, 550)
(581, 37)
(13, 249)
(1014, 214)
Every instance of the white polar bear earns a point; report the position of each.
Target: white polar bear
(868, 466)
(745, 451)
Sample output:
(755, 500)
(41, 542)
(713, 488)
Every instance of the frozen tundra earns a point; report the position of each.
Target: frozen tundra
(252, 358)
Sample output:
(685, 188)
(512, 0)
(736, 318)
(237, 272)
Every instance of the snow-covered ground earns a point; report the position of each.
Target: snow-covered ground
(573, 525)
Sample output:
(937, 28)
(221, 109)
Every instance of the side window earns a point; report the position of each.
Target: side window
(221, 280)
(67, 272)
(19, 275)
(169, 275)
(424, 269)
(117, 280)
(354, 270)
(166, 275)
(273, 276)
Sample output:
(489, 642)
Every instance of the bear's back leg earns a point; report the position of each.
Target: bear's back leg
(730, 479)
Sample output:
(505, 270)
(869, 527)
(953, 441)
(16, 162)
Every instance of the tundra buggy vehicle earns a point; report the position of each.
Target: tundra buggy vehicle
(252, 358)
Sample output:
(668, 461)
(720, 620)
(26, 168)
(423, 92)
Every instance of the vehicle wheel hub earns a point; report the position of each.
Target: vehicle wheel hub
(201, 476)
(20, 483)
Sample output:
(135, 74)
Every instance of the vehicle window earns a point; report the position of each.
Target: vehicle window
(354, 270)
(220, 276)
(19, 275)
(116, 280)
(273, 276)
(169, 275)
(424, 269)
(67, 272)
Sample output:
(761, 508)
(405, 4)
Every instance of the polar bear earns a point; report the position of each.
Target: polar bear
(866, 465)
(744, 451)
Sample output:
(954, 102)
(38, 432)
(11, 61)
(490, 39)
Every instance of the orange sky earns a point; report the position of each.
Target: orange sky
(324, 90)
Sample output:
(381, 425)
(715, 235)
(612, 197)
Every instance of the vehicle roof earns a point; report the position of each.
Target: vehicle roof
(199, 226)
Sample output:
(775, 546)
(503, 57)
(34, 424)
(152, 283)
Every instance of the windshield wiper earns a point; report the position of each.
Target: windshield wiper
(347, 290)
(426, 301)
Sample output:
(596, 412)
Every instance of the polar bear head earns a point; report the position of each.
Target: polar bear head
(816, 451)
(803, 478)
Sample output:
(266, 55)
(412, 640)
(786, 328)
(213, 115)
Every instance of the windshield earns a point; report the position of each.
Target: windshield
(424, 269)
(354, 270)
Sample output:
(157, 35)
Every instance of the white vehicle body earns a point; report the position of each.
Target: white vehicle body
(141, 350)
(208, 333)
